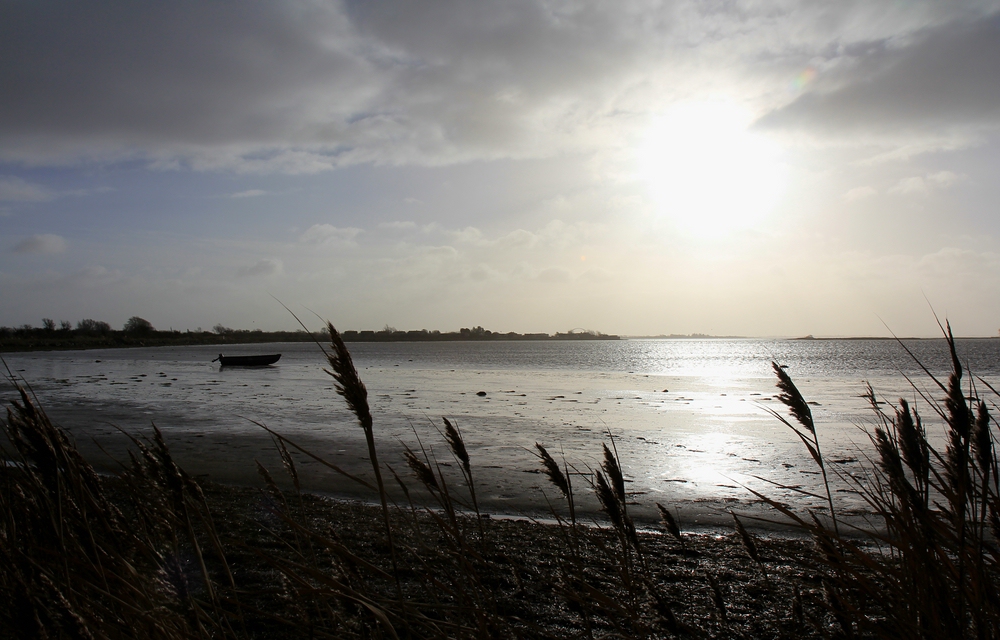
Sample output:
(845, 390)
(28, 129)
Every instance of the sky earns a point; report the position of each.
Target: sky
(727, 167)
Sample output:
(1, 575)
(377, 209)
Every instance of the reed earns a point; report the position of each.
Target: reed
(935, 569)
(348, 385)
(87, 558)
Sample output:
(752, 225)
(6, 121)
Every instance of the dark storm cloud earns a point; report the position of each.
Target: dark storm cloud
(362, 82)
(180, 71)
(935, 81)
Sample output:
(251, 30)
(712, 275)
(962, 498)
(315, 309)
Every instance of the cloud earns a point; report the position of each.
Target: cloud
(398, 225)
(945, 179)
(296, 87)
(483, 272)
(43, 243)
(305, 87)
(263, 267)
(959, 265)
(329, 234)
(923, 185)
(249, 193)
(468, 235)
(94, 276)
(938, 79)
(518, 239)
(860, 193)
(15, 189)
(554, 275)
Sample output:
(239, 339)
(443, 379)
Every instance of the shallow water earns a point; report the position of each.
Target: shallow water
(688, 416)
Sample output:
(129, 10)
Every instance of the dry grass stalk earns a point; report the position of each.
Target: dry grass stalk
(720, 603)
(348, 385)
(669, 522)
(560, 479)
(453, 435)
(747, 540)
(941, 574)
(621, 519)
(799, 408)
(77, 564)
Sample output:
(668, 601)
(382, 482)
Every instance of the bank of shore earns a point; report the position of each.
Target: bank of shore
(527, 571)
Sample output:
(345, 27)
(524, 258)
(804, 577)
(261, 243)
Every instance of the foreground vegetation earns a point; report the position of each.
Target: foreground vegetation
(151, 552)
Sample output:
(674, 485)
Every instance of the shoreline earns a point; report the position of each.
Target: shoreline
(52, 342)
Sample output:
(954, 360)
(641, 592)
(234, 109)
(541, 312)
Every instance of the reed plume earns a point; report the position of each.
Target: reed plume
(669, 522)
(747, 540)
(456, 442)
(348, 385)
(561, 480)
(799, 408)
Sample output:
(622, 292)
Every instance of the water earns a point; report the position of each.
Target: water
(689, 417)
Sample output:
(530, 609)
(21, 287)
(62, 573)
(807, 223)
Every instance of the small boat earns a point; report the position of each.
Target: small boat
(247, 361)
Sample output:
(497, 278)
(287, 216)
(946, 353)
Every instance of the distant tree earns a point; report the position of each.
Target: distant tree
(220, 329)
(93, 326)
(48, 324)
(388, 329)
(24, 328)
(65, 325)
(135, 324)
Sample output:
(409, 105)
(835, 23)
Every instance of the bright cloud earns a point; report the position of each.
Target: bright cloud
(327, 234)
(923, 185)
(860, 193)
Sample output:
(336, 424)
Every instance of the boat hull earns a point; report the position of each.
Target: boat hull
(249, 361)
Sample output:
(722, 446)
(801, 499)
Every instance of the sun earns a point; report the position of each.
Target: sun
(707, 172)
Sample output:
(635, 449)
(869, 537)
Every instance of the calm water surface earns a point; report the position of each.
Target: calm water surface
(688, 416)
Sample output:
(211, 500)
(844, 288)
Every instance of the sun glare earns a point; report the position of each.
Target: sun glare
(707, 172)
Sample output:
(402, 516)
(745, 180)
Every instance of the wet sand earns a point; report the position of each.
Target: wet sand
(522, 563)
(693, 442)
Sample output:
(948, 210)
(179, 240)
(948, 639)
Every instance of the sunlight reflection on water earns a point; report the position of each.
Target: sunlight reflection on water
(688, 415)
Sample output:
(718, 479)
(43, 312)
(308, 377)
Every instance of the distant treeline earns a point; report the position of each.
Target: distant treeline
(138, 332)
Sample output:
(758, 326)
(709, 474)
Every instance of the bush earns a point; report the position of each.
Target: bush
(93, 326)
(135, 324)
